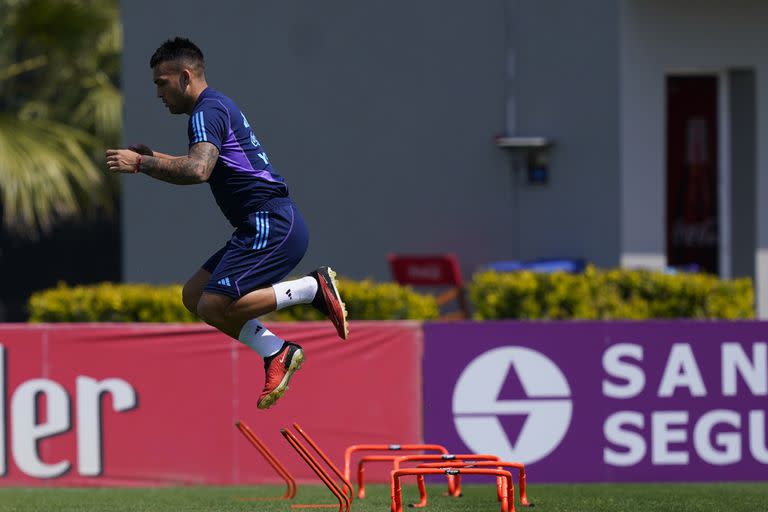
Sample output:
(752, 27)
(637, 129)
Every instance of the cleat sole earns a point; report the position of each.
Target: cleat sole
(296, 362)
(344, 322)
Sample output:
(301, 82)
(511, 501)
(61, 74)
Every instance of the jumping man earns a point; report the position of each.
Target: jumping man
(243, 279)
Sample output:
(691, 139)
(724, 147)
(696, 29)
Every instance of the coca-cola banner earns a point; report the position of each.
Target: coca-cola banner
(157, 404)
(613, 401)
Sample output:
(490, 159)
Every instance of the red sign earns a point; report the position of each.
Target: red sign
(438, 270)
(109, 404)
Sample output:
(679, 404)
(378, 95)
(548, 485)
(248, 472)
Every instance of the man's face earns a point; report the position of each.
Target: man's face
(171, 82)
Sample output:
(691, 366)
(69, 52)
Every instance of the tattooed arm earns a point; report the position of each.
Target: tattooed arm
(194, 168)
(187, 170)
(143, 149)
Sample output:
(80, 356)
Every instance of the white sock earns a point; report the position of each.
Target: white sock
(298, 291)
(259, 338)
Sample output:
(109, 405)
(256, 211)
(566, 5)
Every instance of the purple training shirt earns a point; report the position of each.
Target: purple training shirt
(243, 179)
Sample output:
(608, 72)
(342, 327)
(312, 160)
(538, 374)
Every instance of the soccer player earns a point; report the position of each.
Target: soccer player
(243, 279)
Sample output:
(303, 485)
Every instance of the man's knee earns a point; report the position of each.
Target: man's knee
(213, 308)
(190, 296)
(193, 289)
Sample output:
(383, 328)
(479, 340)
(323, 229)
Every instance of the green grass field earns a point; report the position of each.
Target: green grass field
(562, 498)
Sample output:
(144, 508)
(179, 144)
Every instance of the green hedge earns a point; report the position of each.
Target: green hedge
(368, 300)
(609, 294)
(109, 302)
(595, 294)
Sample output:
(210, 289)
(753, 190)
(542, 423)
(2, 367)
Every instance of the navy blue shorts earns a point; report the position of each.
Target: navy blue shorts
(261, 252)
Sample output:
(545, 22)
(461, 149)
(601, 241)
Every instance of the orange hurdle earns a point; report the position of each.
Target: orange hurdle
(347, 486)
(290, 492)
(361, 470)
(385, 448)
(344, 503)
(520, 467)
(453, 488)
(396, 494)
(454, 482)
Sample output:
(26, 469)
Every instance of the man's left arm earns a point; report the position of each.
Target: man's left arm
(189, 170)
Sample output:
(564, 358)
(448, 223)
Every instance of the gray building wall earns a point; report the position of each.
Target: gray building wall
(566, 88)
(743, 143)
(381, 116)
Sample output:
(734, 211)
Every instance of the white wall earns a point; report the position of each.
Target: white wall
(668, 36)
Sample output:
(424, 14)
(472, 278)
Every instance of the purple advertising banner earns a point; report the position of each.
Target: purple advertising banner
(603, 401)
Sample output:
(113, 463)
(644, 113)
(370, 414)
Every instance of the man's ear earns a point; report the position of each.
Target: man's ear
(185, 78)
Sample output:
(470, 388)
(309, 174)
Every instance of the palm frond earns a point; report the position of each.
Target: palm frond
(32, 110)
(101, 110)
(18, 68)
(110, 41)
(45, 173)
(57, 112)
(61, 26)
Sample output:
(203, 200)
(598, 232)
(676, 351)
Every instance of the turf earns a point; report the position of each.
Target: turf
(751, 497)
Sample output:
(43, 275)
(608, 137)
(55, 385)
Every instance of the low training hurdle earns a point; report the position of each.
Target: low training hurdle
(351, 450)
(344, 501)
(290, 483)
(347, 485)
(507, 504)
(454, 482)
(397, 460)
(501, 491)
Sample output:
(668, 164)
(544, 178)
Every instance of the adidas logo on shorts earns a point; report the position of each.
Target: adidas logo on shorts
(225, 282)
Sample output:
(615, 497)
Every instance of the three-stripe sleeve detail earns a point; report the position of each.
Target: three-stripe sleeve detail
(202, 126)
(198, 128)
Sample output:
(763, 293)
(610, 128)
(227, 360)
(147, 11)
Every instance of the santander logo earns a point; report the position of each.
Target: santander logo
(482, 414)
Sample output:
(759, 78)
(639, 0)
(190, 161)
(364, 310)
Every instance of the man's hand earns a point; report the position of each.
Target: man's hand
(141, 149)
(122, 160)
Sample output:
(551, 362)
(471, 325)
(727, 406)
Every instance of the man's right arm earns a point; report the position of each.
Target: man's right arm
(164, 156)
(145, 150)
(187, 170)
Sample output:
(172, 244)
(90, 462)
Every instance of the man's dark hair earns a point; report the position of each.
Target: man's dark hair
(178, 48)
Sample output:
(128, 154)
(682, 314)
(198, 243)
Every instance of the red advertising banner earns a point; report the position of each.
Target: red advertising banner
(136, 405)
